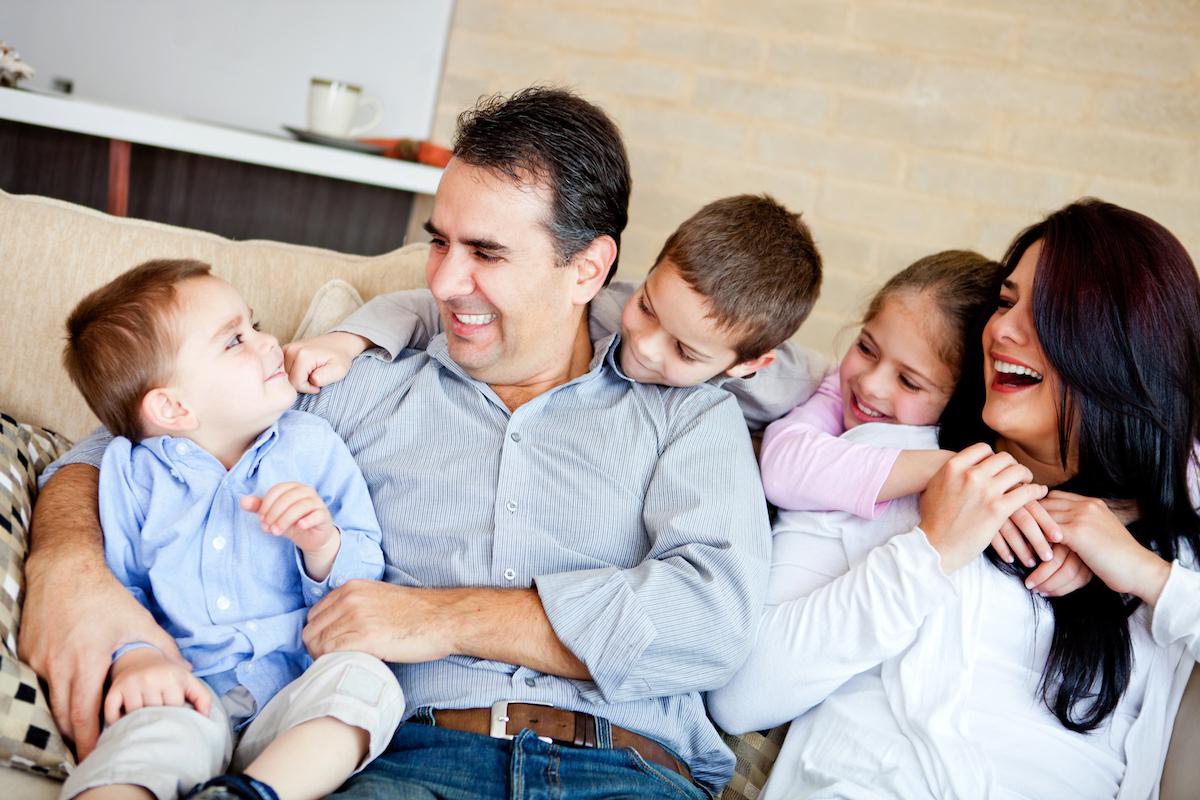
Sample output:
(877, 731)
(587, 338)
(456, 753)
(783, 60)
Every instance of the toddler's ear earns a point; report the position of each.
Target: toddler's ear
(163, 410)
(750, 367)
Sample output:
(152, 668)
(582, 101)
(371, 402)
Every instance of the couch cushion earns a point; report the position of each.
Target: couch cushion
(52, 253)
(28, 737)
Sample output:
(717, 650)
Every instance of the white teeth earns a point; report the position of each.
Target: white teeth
(1016, 369)
(475, 319)
(866, 410)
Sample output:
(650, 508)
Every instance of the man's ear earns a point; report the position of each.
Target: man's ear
(163, 410)
(753, 365)
(591, 266)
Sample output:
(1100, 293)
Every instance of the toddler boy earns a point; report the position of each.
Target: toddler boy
(728, 289)
(227, 516)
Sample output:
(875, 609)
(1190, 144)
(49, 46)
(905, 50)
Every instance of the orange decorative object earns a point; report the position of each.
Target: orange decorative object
(413, 150)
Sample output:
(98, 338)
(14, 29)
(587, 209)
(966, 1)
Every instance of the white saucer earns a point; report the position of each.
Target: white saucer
(335, 141)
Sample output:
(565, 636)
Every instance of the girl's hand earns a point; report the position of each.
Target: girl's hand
(1094, 531)
(1062, 574)
(970, 498)
(1029, 531)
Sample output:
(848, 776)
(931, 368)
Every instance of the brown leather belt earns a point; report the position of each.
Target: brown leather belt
(504, 720)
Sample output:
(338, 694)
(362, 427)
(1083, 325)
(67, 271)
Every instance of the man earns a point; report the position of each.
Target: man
(571, 557)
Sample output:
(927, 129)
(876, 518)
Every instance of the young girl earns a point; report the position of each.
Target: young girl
(901, 369)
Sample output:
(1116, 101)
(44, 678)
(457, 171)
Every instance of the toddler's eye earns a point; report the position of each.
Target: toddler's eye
(683, 354)
(642, 305)
(256, 326)
(234, 341)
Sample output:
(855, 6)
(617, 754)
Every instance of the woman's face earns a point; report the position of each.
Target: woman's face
(1022, 387)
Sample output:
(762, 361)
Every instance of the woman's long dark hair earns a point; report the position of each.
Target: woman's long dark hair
(1116, 307)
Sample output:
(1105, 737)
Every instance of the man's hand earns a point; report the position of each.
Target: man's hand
(321, 360)
(74, 619)
(393, 623)
(410, 626)
(144, 677)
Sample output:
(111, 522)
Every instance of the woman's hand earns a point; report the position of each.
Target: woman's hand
(970, 498)
(1031, 534)
(1095, 532)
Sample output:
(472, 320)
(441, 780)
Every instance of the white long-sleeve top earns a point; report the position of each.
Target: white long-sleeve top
(903, 682)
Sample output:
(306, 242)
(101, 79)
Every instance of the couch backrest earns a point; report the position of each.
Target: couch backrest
(52, 253)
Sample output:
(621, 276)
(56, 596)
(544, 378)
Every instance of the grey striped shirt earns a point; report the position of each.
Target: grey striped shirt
(635, 510)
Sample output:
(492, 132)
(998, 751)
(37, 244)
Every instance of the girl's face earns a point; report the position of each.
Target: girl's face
(893, 372)
(1022, 388)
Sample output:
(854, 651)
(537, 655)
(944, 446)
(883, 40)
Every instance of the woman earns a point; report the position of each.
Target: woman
(911, 666)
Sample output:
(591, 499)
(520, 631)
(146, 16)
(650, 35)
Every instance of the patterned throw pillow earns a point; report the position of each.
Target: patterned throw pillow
(28, 737)
(756, 753)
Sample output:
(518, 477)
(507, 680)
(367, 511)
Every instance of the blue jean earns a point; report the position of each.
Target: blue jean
(424, 762)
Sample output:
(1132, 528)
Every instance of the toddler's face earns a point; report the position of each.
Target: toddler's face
(893, 372)
(666, 335)
(230, 373)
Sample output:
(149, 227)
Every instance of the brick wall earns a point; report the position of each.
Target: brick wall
(898, 128)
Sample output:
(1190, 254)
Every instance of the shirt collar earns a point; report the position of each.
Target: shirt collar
(604, 353)
(179, 451)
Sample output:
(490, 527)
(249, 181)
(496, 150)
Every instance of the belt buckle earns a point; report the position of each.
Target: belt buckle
(498, 727)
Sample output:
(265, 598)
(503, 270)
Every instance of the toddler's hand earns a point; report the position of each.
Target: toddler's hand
(296, 512)
(145, 677)
(322, 360)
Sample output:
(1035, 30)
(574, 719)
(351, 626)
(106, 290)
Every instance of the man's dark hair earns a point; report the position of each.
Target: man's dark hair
(555, 138)
(756, 264)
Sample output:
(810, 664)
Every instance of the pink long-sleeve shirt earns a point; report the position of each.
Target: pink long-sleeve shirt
(806, 467)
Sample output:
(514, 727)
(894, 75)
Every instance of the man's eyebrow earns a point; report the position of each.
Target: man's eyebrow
(477, 243)
(696, 354)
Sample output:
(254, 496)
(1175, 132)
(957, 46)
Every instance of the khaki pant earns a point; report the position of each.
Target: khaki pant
(168, 750)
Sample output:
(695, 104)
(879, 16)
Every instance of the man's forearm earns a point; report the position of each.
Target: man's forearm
(509, 625)
(66, 522)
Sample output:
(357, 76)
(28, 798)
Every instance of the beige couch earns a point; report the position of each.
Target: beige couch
(51, 253)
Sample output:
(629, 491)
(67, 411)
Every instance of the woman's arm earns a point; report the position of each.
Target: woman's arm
(837, 622)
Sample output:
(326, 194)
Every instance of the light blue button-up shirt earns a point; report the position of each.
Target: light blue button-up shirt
(635, 510)
(234, 597)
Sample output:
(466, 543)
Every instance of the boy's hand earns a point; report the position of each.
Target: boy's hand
(296, 512)
(145, 677)
(322, 360)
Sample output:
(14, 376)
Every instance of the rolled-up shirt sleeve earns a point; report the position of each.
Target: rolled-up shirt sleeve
(88, 451)
(683, 619)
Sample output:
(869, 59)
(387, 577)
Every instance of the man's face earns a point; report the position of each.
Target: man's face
(505, 302)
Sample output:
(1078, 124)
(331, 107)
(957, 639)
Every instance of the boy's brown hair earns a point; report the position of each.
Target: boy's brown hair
(121, 340)
(756, 264)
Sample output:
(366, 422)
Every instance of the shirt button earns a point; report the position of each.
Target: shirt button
(509, 574)
(180, 448)
(530, 682)
(223, 603)
(516, 437)
(316, 591)
(219, 543)
(511, 505)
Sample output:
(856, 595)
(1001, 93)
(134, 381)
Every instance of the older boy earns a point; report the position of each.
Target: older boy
(728, 288)
(210, 521)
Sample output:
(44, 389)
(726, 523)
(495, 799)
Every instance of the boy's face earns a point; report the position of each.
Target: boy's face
(667, 336)
(230, 375)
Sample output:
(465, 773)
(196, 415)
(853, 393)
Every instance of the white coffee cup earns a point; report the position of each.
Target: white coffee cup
(332, 106)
